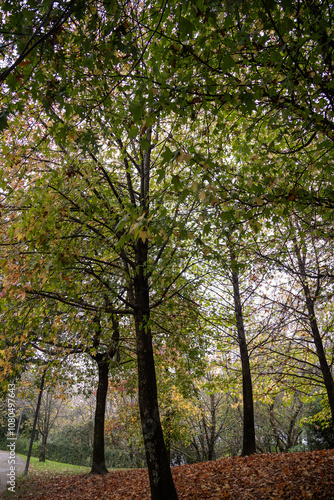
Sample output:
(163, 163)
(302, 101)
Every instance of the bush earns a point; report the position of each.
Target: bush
(320, 435)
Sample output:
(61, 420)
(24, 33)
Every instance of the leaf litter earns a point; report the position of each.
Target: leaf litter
(291, 476)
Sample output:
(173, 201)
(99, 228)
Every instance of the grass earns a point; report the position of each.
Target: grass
(44, 470)
(53, 468)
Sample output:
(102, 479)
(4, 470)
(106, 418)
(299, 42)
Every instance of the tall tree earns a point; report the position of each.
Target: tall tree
(249, 443)
(306, 257)
(121, 208)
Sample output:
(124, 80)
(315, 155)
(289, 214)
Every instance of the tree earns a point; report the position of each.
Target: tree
(58, 338)
(249, 444)
(38, 405)
(228, 267)
(205, 436)
(102, 359)
(113, 171)
(279, 418)
(130, 261)
(47, 415)
(306, 258)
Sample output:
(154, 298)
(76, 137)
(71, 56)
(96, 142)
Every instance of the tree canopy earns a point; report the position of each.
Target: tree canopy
(147, 147)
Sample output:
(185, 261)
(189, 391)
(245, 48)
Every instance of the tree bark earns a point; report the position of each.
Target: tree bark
(161, 481)
(249, 443)
(102, 359)
(325, 369)
(99, 466)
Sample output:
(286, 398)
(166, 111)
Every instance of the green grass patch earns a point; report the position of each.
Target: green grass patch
(36, 482)
(31, 484)
(53, 468)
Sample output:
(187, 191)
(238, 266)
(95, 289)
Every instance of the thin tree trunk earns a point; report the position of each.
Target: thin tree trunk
(279, 444)
(325, 369)
(249, 443)
(291, 439)
(99, 466)
(35, 422)
(102, 359)
(212, 434)
(42, 453)
(44, 426)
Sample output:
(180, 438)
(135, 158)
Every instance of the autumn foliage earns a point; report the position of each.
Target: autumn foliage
(292, 476)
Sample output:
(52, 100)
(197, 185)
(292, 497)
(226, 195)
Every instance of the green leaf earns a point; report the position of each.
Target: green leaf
(167, 155)
(186, 28)
(4, 119)
(227, 63)
(136, 110)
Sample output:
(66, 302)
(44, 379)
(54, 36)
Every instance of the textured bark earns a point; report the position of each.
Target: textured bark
(102, 360)
(161, 481)
(249, 443)
(99, 466)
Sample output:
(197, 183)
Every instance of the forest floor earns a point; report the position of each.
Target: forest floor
(293, 476)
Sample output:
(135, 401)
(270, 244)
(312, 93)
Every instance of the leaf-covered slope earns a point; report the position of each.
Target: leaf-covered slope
(292, 476)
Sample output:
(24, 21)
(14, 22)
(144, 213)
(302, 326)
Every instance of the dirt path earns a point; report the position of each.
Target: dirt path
(9, 464)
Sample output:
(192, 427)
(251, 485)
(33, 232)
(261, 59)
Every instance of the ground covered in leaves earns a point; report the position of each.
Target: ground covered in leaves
(290, 476)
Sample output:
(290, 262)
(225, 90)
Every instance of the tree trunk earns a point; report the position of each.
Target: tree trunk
(249, 443)
(279, 444)
(161, 481)
(212, 434)
(42, 453)
(99, 466)
(292, 437)
(325, 369)
(168, 437)
(35, 422)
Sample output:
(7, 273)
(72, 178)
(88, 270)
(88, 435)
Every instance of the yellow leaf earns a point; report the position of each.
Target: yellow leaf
(258, 200)
(202, 195)
(144, 234)
(183, 157)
